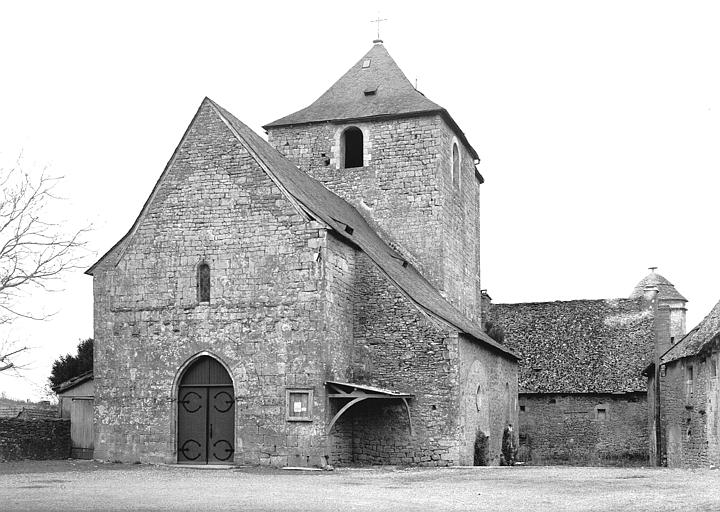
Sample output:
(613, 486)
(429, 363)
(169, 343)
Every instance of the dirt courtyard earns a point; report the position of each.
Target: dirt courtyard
(87, 485)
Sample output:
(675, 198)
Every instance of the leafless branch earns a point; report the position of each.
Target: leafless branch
(35, 250)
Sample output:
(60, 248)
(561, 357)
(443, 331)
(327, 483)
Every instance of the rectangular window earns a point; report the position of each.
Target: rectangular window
(299, 404)
(601, 414)
(522, 408)
(689, 382)
(713, 366)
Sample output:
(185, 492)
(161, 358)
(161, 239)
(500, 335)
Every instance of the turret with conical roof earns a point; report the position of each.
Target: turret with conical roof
(402, 160)
(666, 295)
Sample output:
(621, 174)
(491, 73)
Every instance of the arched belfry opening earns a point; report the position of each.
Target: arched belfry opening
(352, 148)
(206, 414)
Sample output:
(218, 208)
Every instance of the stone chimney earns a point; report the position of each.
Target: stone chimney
(485, 305)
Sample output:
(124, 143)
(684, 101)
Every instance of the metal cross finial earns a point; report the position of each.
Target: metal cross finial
(378, 20)
(653, 269)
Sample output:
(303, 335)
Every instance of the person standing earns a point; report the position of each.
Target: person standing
(508, 445)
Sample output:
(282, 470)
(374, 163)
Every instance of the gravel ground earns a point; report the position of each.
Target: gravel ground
(81, 485)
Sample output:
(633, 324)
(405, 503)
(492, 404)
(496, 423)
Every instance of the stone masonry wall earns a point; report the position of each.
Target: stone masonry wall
(45, 439)
(489, 387)
(265, 319)
(405, 188)
(399, 348)
(571, 429)
(690, 415)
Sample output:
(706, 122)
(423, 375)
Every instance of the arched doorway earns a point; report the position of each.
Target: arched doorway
(206, 414)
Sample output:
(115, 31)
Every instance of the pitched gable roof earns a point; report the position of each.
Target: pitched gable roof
(697, 339)
(394, 96)
(579, 346)
(337, 213)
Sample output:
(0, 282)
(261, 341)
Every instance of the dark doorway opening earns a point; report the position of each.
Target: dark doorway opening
(481, 455)
(206, 414)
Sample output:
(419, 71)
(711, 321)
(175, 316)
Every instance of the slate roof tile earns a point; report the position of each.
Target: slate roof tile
(346, 100)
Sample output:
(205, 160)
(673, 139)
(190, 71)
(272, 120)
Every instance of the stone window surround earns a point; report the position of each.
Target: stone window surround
(336, 150)
(606, 410)
(203, 281)
(456, 182)
(288, 409)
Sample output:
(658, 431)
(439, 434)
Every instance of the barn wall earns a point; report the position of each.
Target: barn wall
(690, 415)
(568, 428)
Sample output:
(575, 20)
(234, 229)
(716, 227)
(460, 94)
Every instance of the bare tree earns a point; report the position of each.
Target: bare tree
(35, 250)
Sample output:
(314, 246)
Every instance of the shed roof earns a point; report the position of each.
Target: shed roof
(71, 383)
(347, 100)
(697, 339)
(579, 346)
(666, 290)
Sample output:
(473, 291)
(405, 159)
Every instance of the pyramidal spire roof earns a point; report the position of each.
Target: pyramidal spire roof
(666, 288)
(375, 87)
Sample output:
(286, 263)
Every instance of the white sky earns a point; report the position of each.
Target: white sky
(597, 124)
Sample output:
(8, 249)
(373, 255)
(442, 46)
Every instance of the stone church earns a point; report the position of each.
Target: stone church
(310, 300)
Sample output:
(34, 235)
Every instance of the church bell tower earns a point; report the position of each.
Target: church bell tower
(404, 164)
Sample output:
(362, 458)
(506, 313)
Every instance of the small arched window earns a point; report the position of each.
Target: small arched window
(352, 147)
(203, 282)
(455, 165)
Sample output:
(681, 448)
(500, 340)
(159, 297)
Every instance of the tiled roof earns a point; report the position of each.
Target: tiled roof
(394, 96)
(694, 341)
(666, 290)
(580, 346)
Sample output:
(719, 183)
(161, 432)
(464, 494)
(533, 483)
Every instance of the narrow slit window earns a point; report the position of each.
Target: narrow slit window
(689, 382)
(352, 148)
(455, 165)
(601, 414)
(203, 282)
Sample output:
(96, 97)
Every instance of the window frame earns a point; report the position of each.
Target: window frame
(307, 417)
(455, 178)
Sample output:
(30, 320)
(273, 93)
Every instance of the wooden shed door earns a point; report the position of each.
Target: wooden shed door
(206, 414)
(81, 428)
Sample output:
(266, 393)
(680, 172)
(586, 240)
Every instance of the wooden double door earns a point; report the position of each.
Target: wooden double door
(206, 414)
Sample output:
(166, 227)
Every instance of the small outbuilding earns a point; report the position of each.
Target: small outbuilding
(685, 391)
(76, 399)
